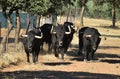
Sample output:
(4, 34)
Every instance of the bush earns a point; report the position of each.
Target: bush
(12, 58)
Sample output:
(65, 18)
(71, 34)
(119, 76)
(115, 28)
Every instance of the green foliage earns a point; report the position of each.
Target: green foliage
(80, 3)
(38, 7)
(13, 3)
(90, 7)
(100, 9)
(60, 6)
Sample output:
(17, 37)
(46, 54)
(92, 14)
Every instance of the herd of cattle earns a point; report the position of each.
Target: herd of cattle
(59, 38)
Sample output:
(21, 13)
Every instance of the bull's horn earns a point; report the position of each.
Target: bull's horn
(51, 31)
(69, 30)
(39, 37)
(24, 35)
(88, 35)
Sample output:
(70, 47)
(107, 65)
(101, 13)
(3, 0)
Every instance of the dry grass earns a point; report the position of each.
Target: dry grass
(103, 26)
(11, 58)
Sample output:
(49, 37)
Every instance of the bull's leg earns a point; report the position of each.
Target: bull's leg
(49, 47)
(34, 57)
(64, 50)
(56, 50)
(92, 55)
(80, 47)
(62, 53)
(27, 54)
(28, 60)
(85, 55)
(41, 46)
(37, 56)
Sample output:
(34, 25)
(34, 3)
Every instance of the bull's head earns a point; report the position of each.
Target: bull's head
(95, 40)
(54, 31)
(72, 26)
(31, 37)
(59, 32)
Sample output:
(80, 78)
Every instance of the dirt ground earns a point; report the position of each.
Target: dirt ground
(105, 66)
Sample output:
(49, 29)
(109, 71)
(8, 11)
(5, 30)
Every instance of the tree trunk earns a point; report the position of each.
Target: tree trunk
(4, 40)
(18, 28)
(28, 22)
(68, 14)
(81, 16)
(75, 10)
(38, 20)
(9, 28)
(60, 18)
(75, 13)
(69, 8)
(82, 12)
(113, 15)
(54, 19)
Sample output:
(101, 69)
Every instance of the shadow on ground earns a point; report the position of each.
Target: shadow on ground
(57, 63)
(55, 75)
(104, 57)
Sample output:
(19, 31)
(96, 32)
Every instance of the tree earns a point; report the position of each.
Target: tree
(36, 8)
(82, 4)
(59, 7)
(114, 3)
(18, 5)
(7, 16)
(10, 5)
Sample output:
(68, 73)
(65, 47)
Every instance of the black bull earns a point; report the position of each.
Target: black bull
(47, 36)
(32, 42)
(89, 39)
(60, 40)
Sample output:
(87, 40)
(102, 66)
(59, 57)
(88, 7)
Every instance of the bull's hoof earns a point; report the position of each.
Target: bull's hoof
(35, 63)
(63, 59)
(27, 62)
(79, 53)
(85, 60)
(56, 55)
(91, 60)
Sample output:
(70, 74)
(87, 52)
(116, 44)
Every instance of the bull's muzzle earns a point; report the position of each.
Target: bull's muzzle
(94, 47)
(60, 43)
